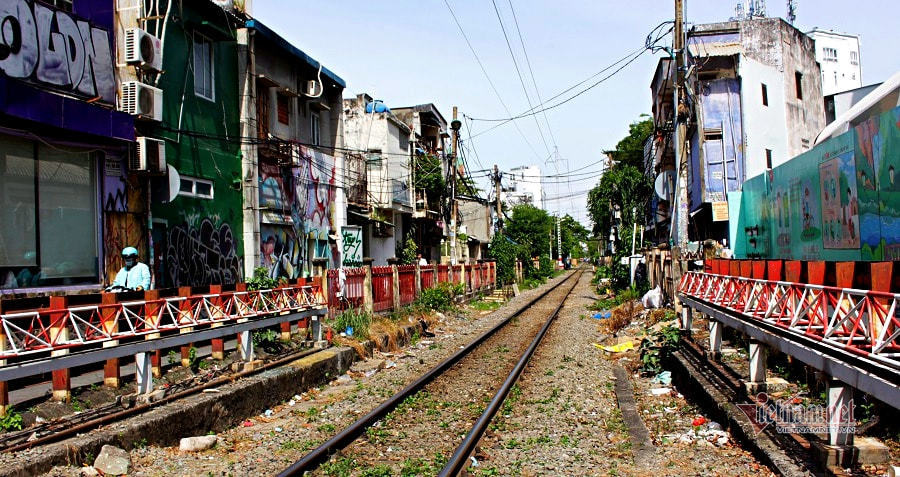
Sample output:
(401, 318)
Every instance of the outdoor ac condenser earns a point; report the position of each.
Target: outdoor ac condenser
(139, 99)
(143, 49)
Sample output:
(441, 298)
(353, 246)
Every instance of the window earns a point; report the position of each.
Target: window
(768, 158)
(854, 58)
(765, 95)
(193, 187)
(204, 77)
(283, 102)
(829, 54)
(798, 77)
(48, 208)
(314, 130)
(64, 5)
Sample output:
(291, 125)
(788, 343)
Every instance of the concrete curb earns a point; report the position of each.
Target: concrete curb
(193, 415)
(690, 377)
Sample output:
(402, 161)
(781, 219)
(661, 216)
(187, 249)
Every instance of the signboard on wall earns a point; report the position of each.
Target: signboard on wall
(42, 45)
(353, 246)
(720, 211)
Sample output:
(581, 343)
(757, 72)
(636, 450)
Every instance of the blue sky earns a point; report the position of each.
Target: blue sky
(410, 51)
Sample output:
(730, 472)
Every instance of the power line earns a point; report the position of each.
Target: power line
(519, 73)
(487, 76)
(537, 91)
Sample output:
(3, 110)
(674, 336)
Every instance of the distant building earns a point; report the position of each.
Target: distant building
(522, 185)
(838, 55)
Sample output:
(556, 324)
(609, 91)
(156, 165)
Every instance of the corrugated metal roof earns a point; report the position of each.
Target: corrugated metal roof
(715, 49)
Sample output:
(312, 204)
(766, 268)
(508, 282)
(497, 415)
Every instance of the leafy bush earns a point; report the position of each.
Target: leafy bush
(261, 280)
(657, 348)
(441, 297)
(617, 274)
(11, 421)
(356, 318)
(409, 252)
(267, 340)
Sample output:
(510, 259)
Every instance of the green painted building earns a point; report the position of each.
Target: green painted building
(196, 230)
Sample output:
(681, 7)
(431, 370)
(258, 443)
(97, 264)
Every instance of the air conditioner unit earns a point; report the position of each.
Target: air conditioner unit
(143, 48)
(150, 157)
(312, 88)
(139, 99)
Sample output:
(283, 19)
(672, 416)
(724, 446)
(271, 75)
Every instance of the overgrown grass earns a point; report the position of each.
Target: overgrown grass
(356, 318)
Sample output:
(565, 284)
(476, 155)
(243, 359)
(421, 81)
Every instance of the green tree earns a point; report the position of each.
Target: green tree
(630, 150)
(572, 235)
(409, 252)
(530, 227)
(429, 175)
(505, 252)
(624, 186)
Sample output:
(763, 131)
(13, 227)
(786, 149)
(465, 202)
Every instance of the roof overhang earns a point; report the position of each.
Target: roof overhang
(279, 41)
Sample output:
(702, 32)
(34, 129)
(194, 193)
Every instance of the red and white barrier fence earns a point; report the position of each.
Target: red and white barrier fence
(863, 322)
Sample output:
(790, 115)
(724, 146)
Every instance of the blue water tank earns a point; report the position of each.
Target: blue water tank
(377, 106)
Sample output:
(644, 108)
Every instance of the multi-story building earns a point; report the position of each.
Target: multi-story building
(522, 185)
(372, 129)
(187, 107)
(429, 137)
(292, 178)
(755, 101)
(838, 56)
(69, 198)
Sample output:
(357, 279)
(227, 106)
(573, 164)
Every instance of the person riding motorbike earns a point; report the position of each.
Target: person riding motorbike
(134, 275)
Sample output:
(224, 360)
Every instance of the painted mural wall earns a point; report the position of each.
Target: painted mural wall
(838, 201)
(298, 219)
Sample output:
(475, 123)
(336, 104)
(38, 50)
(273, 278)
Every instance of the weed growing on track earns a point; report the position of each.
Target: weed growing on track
(339, 467)
(326, 428)
(380, 470)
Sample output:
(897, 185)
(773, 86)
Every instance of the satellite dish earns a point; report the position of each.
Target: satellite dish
(665, 184)
(174, 182)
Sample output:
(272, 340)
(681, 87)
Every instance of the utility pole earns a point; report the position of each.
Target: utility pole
(558, 241)
(497, 198)
(681, 115)
(454, 126)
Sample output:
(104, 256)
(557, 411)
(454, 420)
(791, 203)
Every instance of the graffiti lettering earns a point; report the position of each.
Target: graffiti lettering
(202, 255)
(352, 250)
(43, 45)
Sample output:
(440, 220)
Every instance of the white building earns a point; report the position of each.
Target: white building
(371, 127)
(838, 55)
(522, 185)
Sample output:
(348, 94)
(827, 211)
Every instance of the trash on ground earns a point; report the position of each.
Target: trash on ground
(602, 315)
(390, 364)
(268, 413)
(619, 348)
(653, 298)
(699, 421)
(247, 423)
(660, 391)
(664, 378)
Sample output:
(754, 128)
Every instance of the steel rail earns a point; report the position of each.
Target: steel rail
(109, 418)
(349, 434)
(460, 457)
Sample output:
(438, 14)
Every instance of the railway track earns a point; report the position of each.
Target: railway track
(439, 418)
(59, 429)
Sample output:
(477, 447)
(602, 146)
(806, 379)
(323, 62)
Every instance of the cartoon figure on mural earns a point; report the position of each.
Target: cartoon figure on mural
(840, 208)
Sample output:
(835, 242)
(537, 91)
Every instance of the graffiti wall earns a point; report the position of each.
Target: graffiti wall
(298, 222)
(201, 252)
(54, 48)
(838, 201)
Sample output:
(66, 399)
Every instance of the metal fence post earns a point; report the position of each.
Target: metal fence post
(111, 371)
